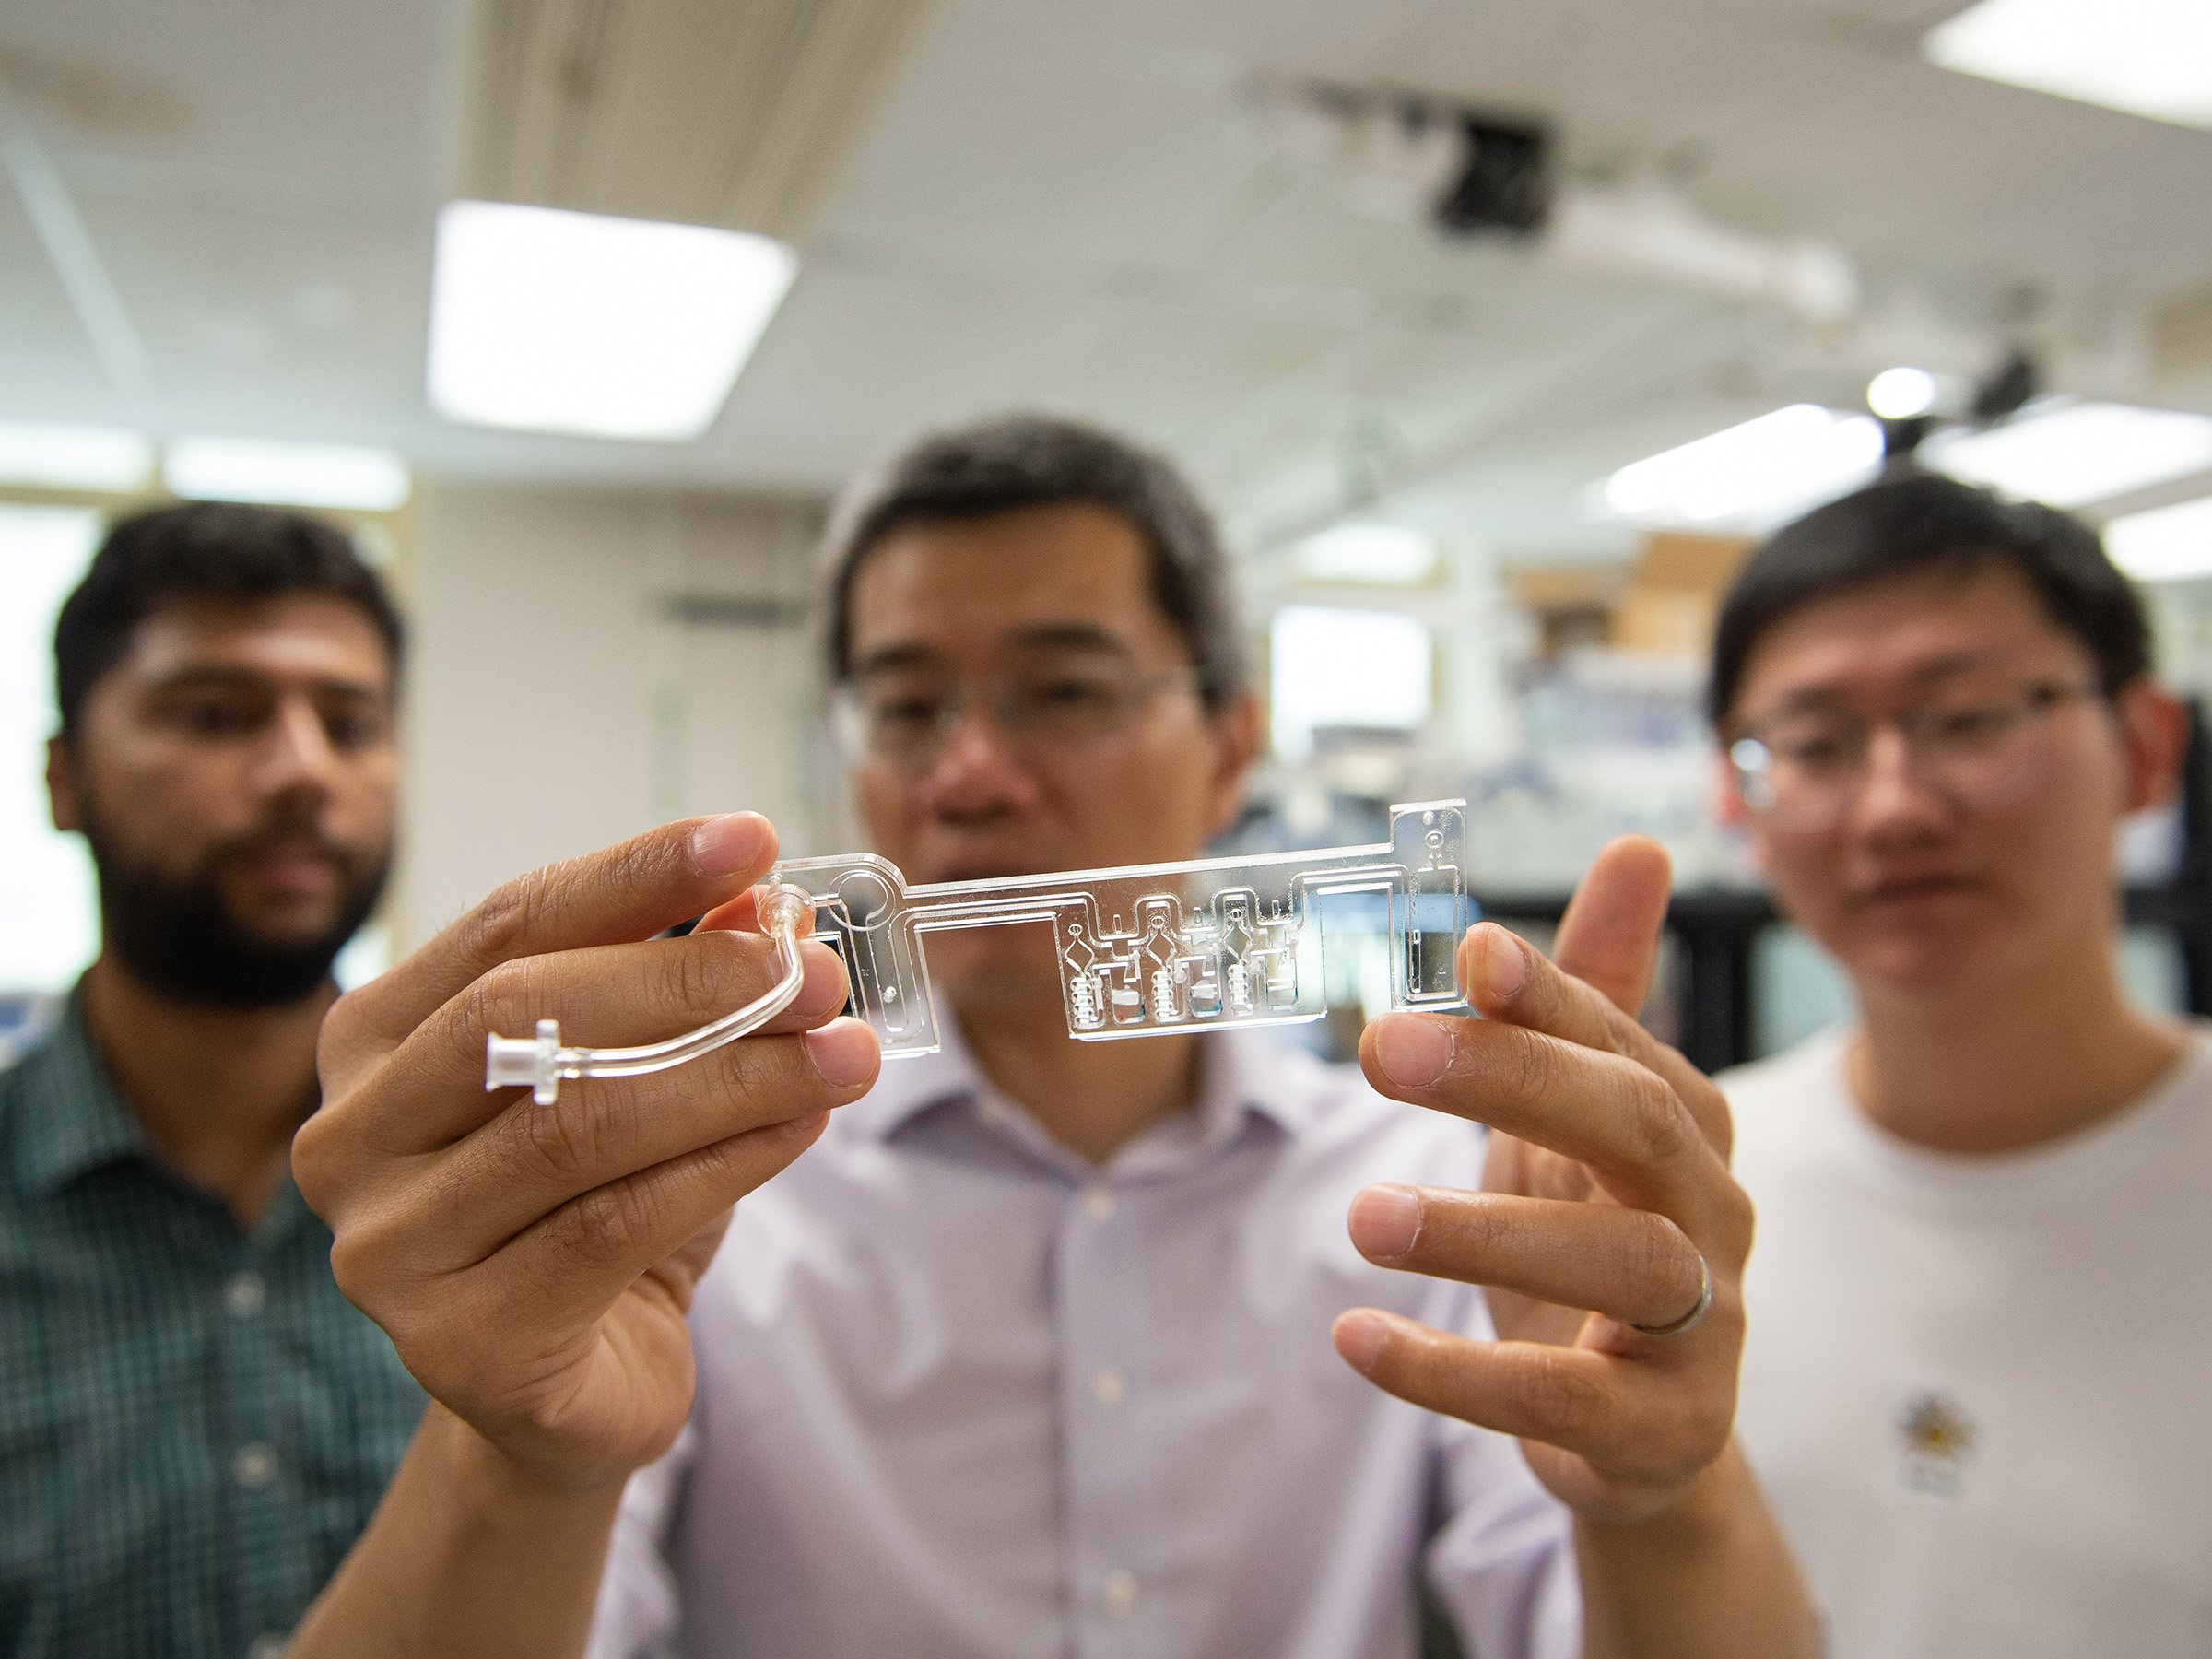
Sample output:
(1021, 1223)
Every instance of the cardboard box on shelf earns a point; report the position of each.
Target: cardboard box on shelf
(1672, 559)
(1571, 604)
(1674, 593)
(1663, 621)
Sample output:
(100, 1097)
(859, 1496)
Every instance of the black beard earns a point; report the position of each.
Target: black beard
(178, 936)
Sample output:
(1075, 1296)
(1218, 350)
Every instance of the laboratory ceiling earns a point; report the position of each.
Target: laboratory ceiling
(1094, 208)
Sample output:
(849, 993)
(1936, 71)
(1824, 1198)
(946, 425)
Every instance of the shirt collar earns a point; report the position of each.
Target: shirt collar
(1240, 1073)
(72, 1120)
(1254, 1073)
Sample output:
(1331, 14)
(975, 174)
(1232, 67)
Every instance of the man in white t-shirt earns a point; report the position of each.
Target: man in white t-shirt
(1973, 1381)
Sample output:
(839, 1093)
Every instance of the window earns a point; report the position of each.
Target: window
(46, 887)
(1345, 668)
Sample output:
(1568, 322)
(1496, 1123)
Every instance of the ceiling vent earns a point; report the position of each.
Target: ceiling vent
(739, 113)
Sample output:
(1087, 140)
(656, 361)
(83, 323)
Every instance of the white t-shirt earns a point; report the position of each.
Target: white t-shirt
(1978, 1390)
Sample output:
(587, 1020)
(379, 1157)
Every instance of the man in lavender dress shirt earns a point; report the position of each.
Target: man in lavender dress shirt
(1033, 1353)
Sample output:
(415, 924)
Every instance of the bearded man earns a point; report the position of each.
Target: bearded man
(193, 1423)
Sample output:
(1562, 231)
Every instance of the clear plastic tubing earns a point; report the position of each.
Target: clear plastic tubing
(541, 1062)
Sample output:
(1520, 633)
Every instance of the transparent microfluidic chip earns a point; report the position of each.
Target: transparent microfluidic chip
(1143, 950)
(1150, 949)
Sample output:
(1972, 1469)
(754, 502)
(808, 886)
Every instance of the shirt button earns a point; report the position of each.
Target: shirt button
(1108, 1386)
(1097, 1203)
(268, 1645)
(254, 1466)
(245, 1294)
(1118, 1594)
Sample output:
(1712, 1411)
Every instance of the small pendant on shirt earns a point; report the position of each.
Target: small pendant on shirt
(1937, 1440)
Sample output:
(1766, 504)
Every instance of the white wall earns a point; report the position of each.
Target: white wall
(553, 705)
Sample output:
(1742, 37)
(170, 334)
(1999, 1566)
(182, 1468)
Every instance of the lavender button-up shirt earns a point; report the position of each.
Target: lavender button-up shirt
(964, 1395)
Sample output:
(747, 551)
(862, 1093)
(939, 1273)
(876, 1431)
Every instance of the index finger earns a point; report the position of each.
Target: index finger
(1598, 1107)
(617, 896)
(1509, 981)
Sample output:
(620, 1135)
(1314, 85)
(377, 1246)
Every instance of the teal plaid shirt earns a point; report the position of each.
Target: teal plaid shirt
(195, 1425)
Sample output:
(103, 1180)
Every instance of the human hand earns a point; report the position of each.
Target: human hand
(1606, 1200)
(532, 1265)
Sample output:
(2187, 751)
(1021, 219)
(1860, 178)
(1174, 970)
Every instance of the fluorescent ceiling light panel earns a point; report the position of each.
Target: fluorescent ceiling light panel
(1760, 472)
(2167, 544)
(2067, 453)
(552, 322)
(66, 457)
(1392, 554)
(288, 474)
(2147, 57)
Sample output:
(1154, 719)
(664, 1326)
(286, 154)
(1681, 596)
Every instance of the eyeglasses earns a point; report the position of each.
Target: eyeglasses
(1046, 710)
(1981, 751)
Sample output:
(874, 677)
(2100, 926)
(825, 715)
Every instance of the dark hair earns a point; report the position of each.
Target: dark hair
(1037, 461)
(1923, 523)
(202, 550)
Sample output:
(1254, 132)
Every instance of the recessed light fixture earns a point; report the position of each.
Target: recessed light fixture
(2146, 57)
(1749, 475)
(2166, 544)
(1360, 550)
(1901, 394)
(546, 321)
(2068, 453)
(290, 475)
(68, 457)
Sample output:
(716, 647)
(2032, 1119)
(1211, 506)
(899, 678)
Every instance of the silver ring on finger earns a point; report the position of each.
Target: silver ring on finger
(1689, 1321)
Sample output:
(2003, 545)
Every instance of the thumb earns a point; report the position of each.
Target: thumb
(1609, 937)
(618, 895)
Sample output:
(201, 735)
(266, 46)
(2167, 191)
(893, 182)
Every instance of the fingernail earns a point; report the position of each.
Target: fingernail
(1359, 1335)
(1504, 964)
(844, 1052)
(1412, 1051)
(727, 845)
(1385, 1221)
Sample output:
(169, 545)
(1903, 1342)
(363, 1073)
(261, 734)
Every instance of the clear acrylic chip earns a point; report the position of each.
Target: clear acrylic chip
(1143, 950)
(1150, 949)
